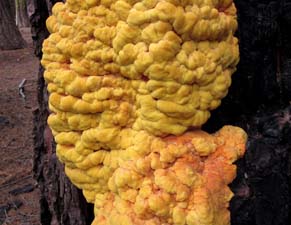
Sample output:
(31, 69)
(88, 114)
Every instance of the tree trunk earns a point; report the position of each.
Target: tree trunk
(21, 13)
(10, 37)
(61, 202)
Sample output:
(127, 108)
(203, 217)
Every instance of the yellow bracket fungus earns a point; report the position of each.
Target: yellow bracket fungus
(131, 82)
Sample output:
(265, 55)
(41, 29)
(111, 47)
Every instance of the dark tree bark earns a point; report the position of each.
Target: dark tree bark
(21, 13)
(10, 37)
(259, 102)
(61, 202)
(38, 13)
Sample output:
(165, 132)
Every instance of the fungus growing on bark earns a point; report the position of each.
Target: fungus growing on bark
(131, 82)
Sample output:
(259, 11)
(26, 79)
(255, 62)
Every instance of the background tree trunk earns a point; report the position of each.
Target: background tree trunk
(21, 13)
(258, 101)
(12, 7)
(10, 37)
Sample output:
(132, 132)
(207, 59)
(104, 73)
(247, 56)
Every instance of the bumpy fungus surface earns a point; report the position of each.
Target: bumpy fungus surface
(127, 79)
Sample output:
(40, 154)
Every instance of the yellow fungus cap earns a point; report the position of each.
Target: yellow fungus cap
(174, 59)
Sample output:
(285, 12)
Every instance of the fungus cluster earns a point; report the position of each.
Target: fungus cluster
(131, 82)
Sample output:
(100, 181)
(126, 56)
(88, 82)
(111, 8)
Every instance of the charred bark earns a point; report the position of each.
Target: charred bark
(259, 102)
(10, 37)
(61, 202)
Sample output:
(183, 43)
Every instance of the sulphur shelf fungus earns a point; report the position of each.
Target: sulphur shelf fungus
(131, 82)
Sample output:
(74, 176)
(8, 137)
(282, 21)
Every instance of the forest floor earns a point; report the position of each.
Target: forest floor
(19, 195)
